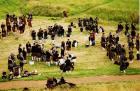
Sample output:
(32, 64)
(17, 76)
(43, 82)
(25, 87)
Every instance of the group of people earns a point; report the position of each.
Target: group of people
(53, 82)
(117, 51)
(56, 30)
(13, 24)
(88, 24)
(91, 25)
(16, 67)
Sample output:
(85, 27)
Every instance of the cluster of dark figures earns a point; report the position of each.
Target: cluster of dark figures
(52, 56)
(52, 83)
(16, 68)
(13, 24)
(89, 24)
(117, 51)
(56, 30)
(38, 52)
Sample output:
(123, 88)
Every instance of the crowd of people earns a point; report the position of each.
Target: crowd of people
(56, 30)
(38, 52)
(61, 55)
(15, 24)
(117, 51)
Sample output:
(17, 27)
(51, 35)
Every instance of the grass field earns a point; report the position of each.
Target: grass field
(92, 61)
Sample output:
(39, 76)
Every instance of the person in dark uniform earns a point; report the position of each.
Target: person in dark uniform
(45, 35)
(3, 26)
(24, 54)
(20, 49)
(8, 29)
(133, 34)
(33, 51)
(103, 41)
(55, 58)
(21, 60)
(133, 26)
(138, 42)
(120, 27)
(38, 52)
(48, 58)
(68, 45)
(62, 52)
(40, 35)
(33, 34)
(28, 47)
(63, 44)
(10, 64)
(69, 31)
(126, 28)
(131, 56)
(123, 64)
(3, 34)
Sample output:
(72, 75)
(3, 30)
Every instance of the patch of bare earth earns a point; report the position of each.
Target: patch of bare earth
(22, 84)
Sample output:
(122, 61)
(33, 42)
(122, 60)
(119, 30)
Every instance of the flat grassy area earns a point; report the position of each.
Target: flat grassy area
(91, 61)
(107, 86)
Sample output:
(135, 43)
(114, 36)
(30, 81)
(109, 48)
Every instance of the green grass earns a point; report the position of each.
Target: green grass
(106, 10)
(92, 61)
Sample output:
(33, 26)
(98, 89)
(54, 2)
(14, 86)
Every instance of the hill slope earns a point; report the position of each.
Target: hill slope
(108, 10)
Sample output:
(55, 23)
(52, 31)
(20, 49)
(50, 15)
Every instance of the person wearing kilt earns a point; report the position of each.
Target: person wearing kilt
(14, 27)
(52, 37)
(28, 47)
(131, 56)
(68, 45)
(138, 42)
(69, 31)
(21, 60)
(3, 26)
(126, 28)
(21, 28)
(103, 41)
(120, 27)
(45, 35)
(48, 58)
(29, 20)
(3, 34)
(38, 52)
(55, 58)
(24, 54)
(33, 34)
(133, 34)
(33, 51)
(40, 35)
(8, 29)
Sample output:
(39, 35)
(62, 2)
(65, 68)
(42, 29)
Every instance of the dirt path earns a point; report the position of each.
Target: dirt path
(22, 84)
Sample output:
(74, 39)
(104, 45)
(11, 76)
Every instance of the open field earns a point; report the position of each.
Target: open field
(91, 61)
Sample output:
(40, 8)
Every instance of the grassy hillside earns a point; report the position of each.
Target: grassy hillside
(106, 10)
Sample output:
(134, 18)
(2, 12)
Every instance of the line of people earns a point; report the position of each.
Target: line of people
(13, 24)
(117, 51)
(51, 31)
